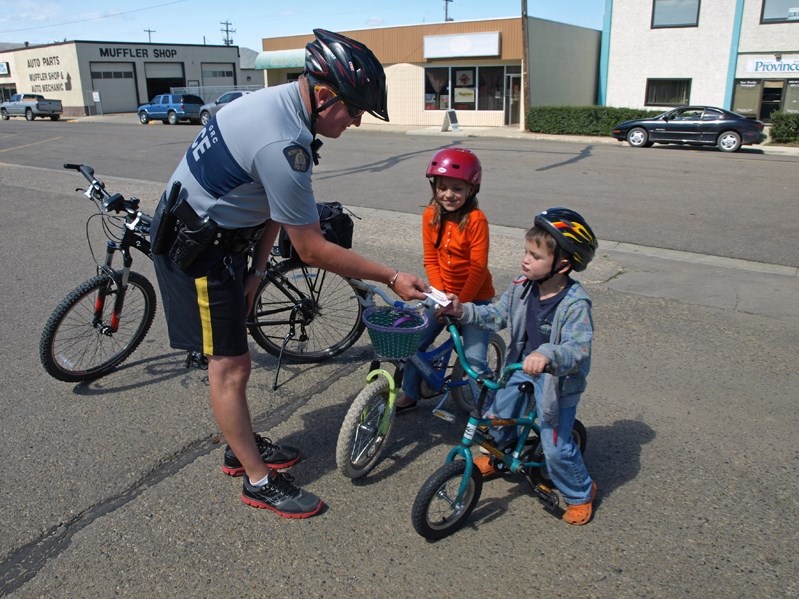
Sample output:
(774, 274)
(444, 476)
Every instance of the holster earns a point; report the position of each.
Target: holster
(194, 234)
(168, 221)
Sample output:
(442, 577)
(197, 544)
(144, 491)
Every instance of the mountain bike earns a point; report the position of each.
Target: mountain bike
(448, 496)
(395, 332)
(314, 313)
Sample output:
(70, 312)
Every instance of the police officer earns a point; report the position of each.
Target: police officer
(247, 173)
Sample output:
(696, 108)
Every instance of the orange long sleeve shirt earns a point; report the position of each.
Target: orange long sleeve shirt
(460, 263)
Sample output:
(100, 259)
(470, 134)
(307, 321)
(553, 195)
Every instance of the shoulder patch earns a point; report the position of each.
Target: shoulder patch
(298, 158)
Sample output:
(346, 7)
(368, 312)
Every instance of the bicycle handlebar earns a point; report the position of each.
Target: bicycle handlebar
(491, 384)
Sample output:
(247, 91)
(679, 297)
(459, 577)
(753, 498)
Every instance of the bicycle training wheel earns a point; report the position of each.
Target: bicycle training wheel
(321, 307)
(534, 453)
(78, 342)
(462, 395)
(436, 513)
(365, 431)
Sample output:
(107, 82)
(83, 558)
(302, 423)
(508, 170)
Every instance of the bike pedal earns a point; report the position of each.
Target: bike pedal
(547, 496)
(444, 415)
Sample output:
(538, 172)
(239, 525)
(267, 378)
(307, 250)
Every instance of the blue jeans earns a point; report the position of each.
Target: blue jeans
(564, 461)
(475, 346)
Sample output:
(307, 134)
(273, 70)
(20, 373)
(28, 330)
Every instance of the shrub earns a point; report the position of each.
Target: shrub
(784, 127)
(581, 120)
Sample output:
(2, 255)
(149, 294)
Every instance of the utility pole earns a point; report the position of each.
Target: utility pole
(228, 41)
(525, 102)
(446, 12)
(149, 35)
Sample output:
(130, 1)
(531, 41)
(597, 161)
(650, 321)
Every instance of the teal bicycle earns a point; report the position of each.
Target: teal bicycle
(448, 497)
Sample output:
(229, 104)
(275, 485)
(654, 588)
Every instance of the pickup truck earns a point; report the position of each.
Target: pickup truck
(30, 106)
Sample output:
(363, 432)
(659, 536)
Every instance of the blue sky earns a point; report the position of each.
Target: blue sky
(201, 21)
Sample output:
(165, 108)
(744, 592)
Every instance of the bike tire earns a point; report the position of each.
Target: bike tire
(434, 514)
(75, 349)
(325, 308)
(462, 395)
(360, 444)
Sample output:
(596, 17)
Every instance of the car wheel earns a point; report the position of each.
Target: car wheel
(729, 141)
(205, 117)
(172, 118)
(29, 114)
(638, 138)
(143, 118)
(4, 114)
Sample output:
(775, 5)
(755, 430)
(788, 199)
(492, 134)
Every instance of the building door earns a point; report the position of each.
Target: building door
(771, 99)
(117, 86)
(513, 98)
(162, 77)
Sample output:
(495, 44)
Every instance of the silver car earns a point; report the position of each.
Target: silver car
(210, 109)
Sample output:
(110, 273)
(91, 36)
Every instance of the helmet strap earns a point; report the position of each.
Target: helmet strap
(316, 143)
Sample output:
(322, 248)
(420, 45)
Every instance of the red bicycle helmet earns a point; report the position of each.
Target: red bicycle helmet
(351, 68)
(458, 163)
(572, 234)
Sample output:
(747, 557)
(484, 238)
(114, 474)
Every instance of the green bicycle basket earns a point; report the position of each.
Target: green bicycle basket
(395, 333)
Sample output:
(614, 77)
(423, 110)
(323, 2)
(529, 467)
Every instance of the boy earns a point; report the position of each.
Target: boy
(549, 316)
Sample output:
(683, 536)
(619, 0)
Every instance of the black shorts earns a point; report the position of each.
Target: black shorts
(205, 305)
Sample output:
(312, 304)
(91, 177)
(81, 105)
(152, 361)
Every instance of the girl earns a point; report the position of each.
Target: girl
(455, 237)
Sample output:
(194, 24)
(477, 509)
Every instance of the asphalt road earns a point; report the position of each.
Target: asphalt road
(114, 488)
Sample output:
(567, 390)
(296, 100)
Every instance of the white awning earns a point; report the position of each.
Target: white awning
(281, 59)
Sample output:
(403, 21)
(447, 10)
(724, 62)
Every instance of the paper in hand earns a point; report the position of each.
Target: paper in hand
(438, 297)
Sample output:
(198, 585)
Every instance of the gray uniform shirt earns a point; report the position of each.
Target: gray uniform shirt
(252, 162)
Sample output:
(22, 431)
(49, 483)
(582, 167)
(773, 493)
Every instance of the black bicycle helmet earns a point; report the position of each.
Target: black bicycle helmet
(349, 67)
(572, 234)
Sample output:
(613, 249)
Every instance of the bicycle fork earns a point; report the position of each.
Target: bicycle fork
(105, 291)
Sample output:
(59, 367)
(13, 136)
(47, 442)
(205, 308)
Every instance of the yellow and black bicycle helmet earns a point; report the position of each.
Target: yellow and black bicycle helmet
(573, 235)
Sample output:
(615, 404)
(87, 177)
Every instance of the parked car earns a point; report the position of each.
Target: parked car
(695, 125)
(210, 109)
(30, 106)
(170, 109)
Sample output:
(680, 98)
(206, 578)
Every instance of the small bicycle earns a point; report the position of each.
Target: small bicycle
(449, 495)
(395, 332)
(301, 313)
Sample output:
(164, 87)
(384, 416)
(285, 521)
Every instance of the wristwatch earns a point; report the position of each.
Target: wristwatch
(258, 273)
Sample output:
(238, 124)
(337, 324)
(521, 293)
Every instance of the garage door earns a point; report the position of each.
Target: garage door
(116, 84)
(219, 74)
(163, 70)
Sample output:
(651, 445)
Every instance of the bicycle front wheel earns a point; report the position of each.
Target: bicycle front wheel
(365, 431)
(319, 307)
(462, 394)
(84, 339)
(436, 513)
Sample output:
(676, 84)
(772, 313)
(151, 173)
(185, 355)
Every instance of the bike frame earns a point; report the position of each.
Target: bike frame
(476, 432)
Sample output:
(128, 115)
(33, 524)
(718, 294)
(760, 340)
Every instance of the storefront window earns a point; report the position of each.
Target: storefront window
(463, 88)
(747, 97)
(436, 89)
(675, 13)
(667, 92)
(780, 11)
(472, 88)
(790, 104)
(489, 88)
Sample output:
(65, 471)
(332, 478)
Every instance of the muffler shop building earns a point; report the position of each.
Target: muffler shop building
(105, 77)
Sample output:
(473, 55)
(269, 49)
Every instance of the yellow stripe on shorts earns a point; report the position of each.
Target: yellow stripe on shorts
(204, 304)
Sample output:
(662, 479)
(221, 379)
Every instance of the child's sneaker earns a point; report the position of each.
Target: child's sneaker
(282, 497)
(276, 457)
(581, 513)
